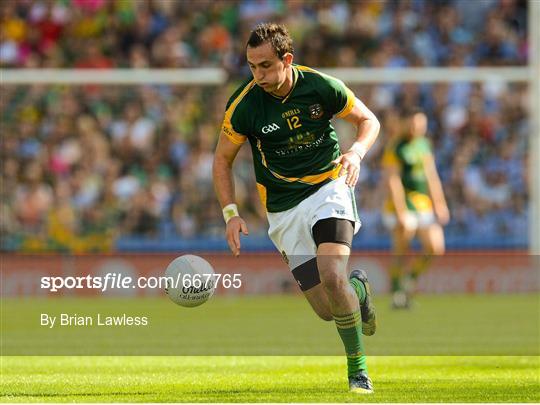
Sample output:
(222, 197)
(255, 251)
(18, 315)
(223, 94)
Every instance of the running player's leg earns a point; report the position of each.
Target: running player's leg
(332, 222)
(431, 237)
(432, 241)
(332, 261)
(307, 277)
(401, 240)
(318, 300)
(341, 231)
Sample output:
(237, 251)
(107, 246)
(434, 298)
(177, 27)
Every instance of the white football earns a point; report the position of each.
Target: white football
(190, 281)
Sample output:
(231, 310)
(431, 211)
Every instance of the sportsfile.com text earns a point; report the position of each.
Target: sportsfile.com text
(119, 281)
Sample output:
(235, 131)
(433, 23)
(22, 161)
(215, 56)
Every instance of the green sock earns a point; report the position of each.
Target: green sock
(349, 327)
(359, 289)
(420, 265)
(396, 271)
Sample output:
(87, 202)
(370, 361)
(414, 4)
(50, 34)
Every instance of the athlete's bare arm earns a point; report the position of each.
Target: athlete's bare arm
(435, 190)
(367, 129)
(224, 156)
(395, 187)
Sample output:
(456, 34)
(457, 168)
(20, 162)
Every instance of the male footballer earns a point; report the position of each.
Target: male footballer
(304, 182)
(415, 206)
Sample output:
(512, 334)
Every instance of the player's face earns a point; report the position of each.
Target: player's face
(418, 124)
(269, 71)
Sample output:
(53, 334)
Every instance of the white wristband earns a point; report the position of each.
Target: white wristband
(359, 149)
(229, 211)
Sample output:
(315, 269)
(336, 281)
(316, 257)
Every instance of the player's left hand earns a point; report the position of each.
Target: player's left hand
(350, 165)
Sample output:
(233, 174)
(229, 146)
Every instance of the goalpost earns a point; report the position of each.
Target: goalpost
(217, 76)
(534, 165)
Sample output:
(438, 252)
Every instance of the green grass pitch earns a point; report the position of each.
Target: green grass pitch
(266, 379)
(457, 351)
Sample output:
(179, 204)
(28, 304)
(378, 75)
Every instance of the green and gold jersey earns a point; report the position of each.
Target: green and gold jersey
(292, 139)
(408, 156)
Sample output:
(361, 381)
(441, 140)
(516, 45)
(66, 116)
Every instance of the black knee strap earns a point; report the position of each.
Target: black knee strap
(307, 274)
(333, 230)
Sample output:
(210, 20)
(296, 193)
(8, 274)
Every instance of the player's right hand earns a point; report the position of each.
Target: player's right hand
(442, 213)
(232, 232)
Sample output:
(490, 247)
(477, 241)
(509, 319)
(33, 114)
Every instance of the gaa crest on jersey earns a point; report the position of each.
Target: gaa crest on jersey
(315, 111)
(270, 128)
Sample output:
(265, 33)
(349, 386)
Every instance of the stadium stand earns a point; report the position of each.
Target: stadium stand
(98, 168)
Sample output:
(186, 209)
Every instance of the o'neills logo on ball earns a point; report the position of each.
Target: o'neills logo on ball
(315, 111)
(194, 290)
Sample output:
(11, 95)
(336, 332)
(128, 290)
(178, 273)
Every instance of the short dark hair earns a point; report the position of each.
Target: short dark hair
(276, 34)
(411, 111)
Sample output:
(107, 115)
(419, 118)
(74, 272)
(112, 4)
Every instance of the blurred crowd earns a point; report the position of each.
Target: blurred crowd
(85, 165)
(192, 33)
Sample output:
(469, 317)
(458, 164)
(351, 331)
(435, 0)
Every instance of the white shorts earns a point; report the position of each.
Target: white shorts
(414, 219)
(291, 230)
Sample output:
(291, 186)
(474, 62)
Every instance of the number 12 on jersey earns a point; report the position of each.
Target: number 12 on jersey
(294, 122)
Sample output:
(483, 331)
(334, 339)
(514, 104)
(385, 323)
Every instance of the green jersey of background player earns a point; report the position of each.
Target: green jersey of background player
(304, 181)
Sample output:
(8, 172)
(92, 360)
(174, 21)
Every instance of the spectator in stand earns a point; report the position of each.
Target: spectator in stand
(94, 58)
(202, 33)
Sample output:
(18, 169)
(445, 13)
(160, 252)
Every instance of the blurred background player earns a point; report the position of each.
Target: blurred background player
(415, 206)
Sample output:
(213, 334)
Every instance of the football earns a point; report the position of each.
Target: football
(190, 281)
